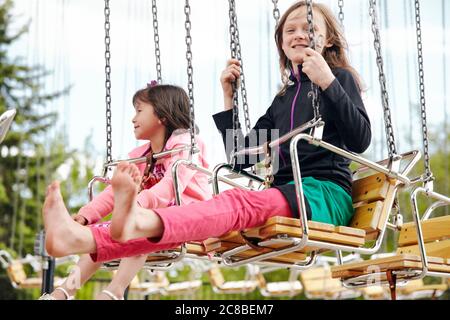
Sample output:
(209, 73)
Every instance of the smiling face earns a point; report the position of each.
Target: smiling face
(295, 34)
(145, 122)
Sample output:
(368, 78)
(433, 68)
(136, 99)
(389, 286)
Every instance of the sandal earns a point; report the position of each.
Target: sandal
(111, 295)
(48, 296)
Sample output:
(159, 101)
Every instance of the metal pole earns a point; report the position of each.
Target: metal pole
(48, 274)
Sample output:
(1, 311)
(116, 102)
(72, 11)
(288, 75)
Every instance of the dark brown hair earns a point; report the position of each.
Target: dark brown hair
(170, 104)
(335, 55)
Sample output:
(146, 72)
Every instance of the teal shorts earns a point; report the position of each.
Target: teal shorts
(328, 201)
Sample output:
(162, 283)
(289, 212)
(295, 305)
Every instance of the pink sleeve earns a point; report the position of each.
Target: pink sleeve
(103, 204)
(99, 207)
(163, 194)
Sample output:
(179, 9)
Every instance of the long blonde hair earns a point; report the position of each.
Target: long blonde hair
(335, 55)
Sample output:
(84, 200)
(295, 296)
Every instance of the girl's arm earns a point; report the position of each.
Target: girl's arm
(348, 111)
(103, 204)
(162, 194)
(258, 135)
(99, 207)
(224, 120)
(341, 92)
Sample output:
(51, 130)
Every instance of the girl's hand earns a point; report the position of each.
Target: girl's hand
(80, 219)
(317, 69)
(231, 74)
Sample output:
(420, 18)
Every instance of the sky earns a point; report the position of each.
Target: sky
(67, 37)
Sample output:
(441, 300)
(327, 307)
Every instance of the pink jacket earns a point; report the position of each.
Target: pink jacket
(193, 184)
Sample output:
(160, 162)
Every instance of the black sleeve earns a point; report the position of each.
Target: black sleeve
(348, 111)
(257, 136)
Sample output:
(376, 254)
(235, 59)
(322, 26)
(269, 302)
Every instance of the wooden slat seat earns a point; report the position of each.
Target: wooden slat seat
(219, 284)
(19, 278)
(278, 288)
(396, 262)
(318, 284)
(158, 282)
(416, 289)
(182, 287)
(436, 236)
(375, 293)
(233, 240)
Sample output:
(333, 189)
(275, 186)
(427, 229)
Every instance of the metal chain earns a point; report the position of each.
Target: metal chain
(156, 40)
(390, 139)
(276, 12)
(233, 49)
(426, 155)
(341, 12)
(242, 76)
(190, 71)
(108, 83)
(314, 93)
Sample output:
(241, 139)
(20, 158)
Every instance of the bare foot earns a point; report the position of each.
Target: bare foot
(125, 183)
(63, 236)
(129, 221)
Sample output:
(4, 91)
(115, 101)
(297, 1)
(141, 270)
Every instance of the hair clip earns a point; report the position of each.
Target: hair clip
(152, 84)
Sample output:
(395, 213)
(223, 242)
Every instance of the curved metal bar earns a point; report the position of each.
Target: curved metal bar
(160, 155)
(352, 156)
(275, 143)
(217, 178)
(157, 264)
(420, 240)
(433, 207)
(91, 185)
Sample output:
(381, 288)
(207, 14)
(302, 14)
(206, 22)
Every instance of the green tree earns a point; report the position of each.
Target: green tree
(29, 157)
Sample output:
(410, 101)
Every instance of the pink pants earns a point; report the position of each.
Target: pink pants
(231, 210)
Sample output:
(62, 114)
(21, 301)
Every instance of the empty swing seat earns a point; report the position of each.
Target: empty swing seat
(318, 284)
(219, 284)
(19, 279)
(436, 233)
(279, 288)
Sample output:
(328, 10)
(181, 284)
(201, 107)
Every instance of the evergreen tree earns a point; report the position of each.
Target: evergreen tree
(29, 158)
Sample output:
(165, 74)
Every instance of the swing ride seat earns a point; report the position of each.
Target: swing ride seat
(219, 285)
(19, 280)
(373, 197)
(318, 284)
(181, 287)
(149, 287)
(436, 233)
(416, 289)
(278, 288)
(375, 293)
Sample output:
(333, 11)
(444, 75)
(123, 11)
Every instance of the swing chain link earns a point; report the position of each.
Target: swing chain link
(234, 22)
(233, 49)
(108, 83)
(428, 174)
(341, 12)
(314, 93)
(190, 71)
(156, 40)
(276, 12)
(382, 79)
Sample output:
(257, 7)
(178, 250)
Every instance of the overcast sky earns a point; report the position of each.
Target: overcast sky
(67, 37)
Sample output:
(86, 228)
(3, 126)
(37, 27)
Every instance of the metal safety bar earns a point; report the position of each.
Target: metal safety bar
(275, 143)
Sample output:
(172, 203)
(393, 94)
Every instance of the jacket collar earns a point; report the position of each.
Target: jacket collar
(303, 76)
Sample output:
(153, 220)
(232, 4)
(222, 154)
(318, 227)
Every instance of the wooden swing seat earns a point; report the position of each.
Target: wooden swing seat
(436, 234)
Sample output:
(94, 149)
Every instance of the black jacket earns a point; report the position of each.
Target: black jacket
(347, 126)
